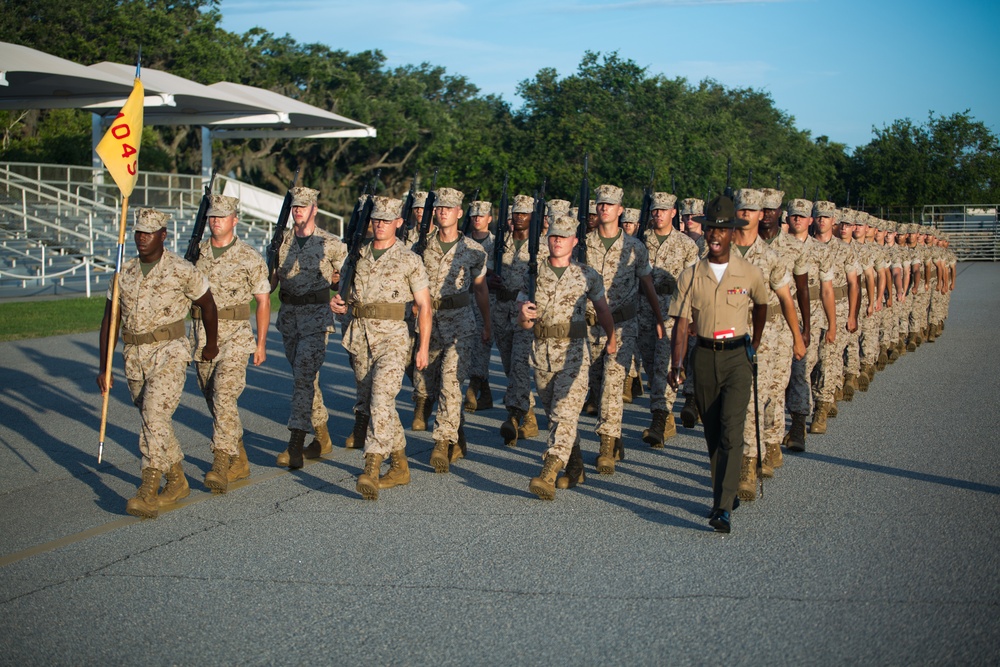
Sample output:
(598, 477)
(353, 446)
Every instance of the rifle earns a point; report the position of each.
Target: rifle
(360, 218)
(193, 249)
(534, 237)
(673, 185)
(408, 209)
(729, 178)
(816, 196)
(425, 219)
(750, 178)
(778, 186)
(848, 197)
(646, 210)
(583, 214)
(803, 192)
(467, 227)
(279, 229)
(500, 240)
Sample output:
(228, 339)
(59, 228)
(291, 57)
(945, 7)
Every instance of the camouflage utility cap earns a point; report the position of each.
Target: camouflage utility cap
(802, 207)
(480, 208)
(523, 204)
(825, 209)
(419, 198)
(772, 197)
(387, 208)
(631, 215)
(574, 212)
(448, 198)
(556, 207)
(221, 206)
(692, 206)
(563, 225)
(663, 201)
(847, 216)
(749, 199)
(304, 196)
(609, 194)
(150, 220)
(593, 208)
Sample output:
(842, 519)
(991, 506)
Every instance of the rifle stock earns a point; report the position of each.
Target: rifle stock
(467, 227)
(729, 178)
(425, 219)
(534, 239)
(646, 210)
(360, 218)
(194, 249)
(279, 229)
(583, 213)
(407, 209)
(501, 235)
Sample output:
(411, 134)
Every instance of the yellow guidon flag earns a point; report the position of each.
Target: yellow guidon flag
(119, 149)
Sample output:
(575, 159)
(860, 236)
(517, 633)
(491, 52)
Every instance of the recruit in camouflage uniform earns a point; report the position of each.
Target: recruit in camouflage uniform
(560, 354)
(781, 336)
(690, 209)
(456, 271)
(479, 395)
(514, 342)
(633, 381)
(387, 278)
(623, 263)
(237, 275)
(816, 261)
(309, 263)
(670, 252)
(849, 224)
(156, 290)
(834, 338)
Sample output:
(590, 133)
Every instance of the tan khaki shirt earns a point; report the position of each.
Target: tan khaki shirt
(719, 308)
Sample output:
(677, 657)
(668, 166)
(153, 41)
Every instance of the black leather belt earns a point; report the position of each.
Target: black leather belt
(724, 344)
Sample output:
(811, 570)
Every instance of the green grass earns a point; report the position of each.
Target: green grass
(36, 319)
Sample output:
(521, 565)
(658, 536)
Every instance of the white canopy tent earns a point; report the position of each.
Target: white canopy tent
(31, 79)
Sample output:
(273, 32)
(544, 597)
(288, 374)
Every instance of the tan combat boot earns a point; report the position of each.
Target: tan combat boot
(818, 426)
(850, 386)
(606, 455)
(748, 480)
(669, 427)
(627, 390)
(399, 471)
(773, 458)
(544, 486)
(470, 395)
(911, 342)
(439, 456)
(592, 404)
(217, 479)
(883, 359)
(509, 429)
(239, 465)
(574, 469)
(796, 438)
(653, 435)
(356, 439)
(689, 413)
(368, 482)
(176, 487)
(484, 401)
(419, 413)
(282, 459)
(832, 411)
(865, 378)
(296, 440)
(457, 450)
(893, 353)
(529, 425)
(146, 504)
(320, 445)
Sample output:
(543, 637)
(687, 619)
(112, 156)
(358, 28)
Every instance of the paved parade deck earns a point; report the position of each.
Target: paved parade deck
(879, 545)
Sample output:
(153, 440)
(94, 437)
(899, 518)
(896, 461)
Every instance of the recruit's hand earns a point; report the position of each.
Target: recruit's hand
(611, 347)
(806, 336)
(831, 336)
(852, 324)
(100, 383)
(869, 310)
(661, 329)
(799, 351)
(528, 313)
(675, 377)
(494, 282)
(209, 352)
(259, 355)
(420, 360)
(487, 335)
(338, 305)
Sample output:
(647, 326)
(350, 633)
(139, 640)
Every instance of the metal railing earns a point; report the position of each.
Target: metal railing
(973, 229)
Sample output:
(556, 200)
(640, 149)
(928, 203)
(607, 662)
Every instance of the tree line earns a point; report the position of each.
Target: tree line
(630, 121)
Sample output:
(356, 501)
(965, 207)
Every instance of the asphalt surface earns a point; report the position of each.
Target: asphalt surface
(879, 545)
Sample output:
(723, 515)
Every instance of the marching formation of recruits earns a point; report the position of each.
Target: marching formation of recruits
(812, 298)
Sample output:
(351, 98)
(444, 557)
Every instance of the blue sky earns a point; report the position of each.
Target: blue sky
(839, 67)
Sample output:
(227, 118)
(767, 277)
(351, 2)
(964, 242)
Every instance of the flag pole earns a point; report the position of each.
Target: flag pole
(119, 149)
(112, 328)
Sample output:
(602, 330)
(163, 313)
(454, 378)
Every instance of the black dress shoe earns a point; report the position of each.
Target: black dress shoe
(711, 512)
(720, 521)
